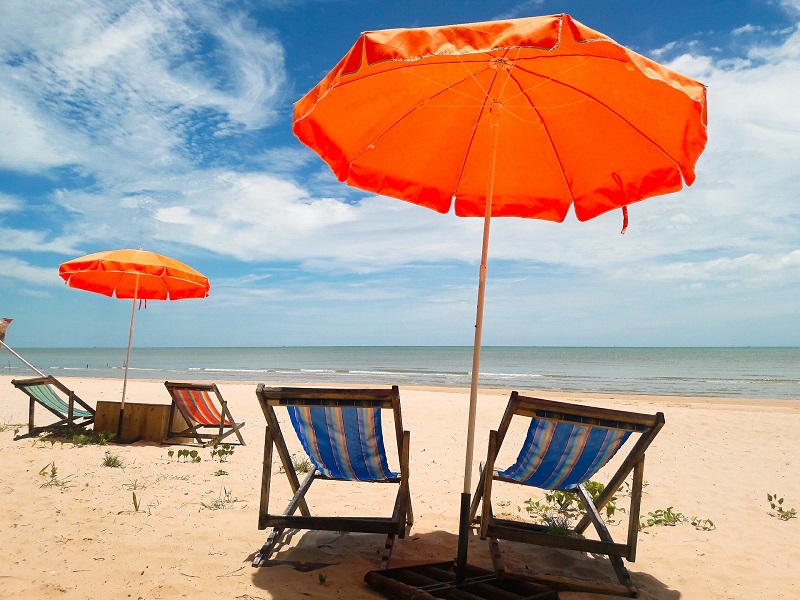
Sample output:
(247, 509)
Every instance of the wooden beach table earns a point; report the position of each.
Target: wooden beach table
(148, 422)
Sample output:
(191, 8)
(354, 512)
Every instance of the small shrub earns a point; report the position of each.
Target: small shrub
(568, 504)
(667, 517)
(15, 426)
(222, 451)
(112, 460)
(135, 484)
(776, 504)
(220, 472)
(558, 524)
(301, 464)
(188, 456)
(51, 472)
(662, 517)
(225, 500)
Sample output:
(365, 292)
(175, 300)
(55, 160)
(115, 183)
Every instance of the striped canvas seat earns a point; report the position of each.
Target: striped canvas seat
(203, 422)
(58, 399)
(340, 431)
(559, 456)
(566, 445)
(343, 442)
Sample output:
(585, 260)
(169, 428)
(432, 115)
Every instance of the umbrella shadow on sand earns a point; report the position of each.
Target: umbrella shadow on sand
(316, 563)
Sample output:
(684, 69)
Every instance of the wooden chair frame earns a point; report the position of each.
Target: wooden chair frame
(494, 528)
(402, 516)
(223, 429)
(65, 419)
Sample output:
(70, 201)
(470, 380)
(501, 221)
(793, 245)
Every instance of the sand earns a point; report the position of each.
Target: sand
(716, 459)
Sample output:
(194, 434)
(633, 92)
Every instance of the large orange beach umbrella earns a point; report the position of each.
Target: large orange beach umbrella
(136, 274)
(524, 118)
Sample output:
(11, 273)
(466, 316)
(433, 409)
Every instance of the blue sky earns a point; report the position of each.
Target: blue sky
(167, 125)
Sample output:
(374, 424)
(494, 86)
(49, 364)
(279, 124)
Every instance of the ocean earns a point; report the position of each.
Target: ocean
(716, 372)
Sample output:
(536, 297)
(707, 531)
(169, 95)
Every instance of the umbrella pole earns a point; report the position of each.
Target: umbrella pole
(127, 361)
(466, 494)
(7, 347)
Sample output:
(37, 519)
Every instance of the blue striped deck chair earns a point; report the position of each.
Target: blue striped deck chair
(57, 398)
(566, 445)
(340, 432)
(196, 404)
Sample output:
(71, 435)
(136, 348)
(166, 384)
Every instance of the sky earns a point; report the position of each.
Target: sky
(166, 125)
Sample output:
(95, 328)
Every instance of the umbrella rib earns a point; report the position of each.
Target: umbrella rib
(482, 113)
(425, 102)
(524, 92)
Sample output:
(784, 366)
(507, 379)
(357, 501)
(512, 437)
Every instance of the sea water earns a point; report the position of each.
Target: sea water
(720, 372)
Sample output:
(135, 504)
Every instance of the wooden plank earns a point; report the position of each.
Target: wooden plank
(521, 532)
(141, 421)
(354, 524)
(107, 416)
(529, 405)
(277, 396)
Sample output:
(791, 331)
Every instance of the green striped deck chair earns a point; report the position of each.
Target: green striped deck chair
(57, 398)
(566, 445)
(202, 420)
(340, 431)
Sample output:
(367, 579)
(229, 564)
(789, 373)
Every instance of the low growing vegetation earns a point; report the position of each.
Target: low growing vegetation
(776, 504)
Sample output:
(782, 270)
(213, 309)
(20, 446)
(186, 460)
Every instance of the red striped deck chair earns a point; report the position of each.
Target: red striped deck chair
(567, 444)
(204, 421)
(340, 431)
(57, 398)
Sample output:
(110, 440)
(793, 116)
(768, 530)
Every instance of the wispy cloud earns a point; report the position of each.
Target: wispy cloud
(21, 271)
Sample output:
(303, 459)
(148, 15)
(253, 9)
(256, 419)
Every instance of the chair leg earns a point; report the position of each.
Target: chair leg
(497, 558)
(387, 551)
(268, 547)
(622, 572)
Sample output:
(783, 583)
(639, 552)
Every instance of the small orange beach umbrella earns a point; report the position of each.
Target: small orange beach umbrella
(524, 117)
(136, 274)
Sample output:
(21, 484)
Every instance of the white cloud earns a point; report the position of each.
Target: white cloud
(115, 88)
(18, 240)
(9, 203)
(755, 271)
(19, 270)
(747, 29)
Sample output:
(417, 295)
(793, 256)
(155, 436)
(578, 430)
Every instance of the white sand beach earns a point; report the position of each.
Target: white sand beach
(715, 459)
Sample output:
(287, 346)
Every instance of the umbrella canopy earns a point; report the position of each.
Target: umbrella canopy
(525, 117)
(583, 121)
(136, 274)
(139, 274)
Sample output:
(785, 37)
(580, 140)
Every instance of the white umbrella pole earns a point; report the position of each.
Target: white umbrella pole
(127, 360)
(466, 495)
(7, 347)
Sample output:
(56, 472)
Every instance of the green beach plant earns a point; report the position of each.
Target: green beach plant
(776, 504)
(135, 484)
(568, 504)
(225, 500)
(112, 460)
(188, 456)
(50, 471)
(222, 451)
(667, 517)
(302, 464)
(15, 426)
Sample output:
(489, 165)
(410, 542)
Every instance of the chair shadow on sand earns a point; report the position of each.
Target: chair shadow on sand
(313, 558)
